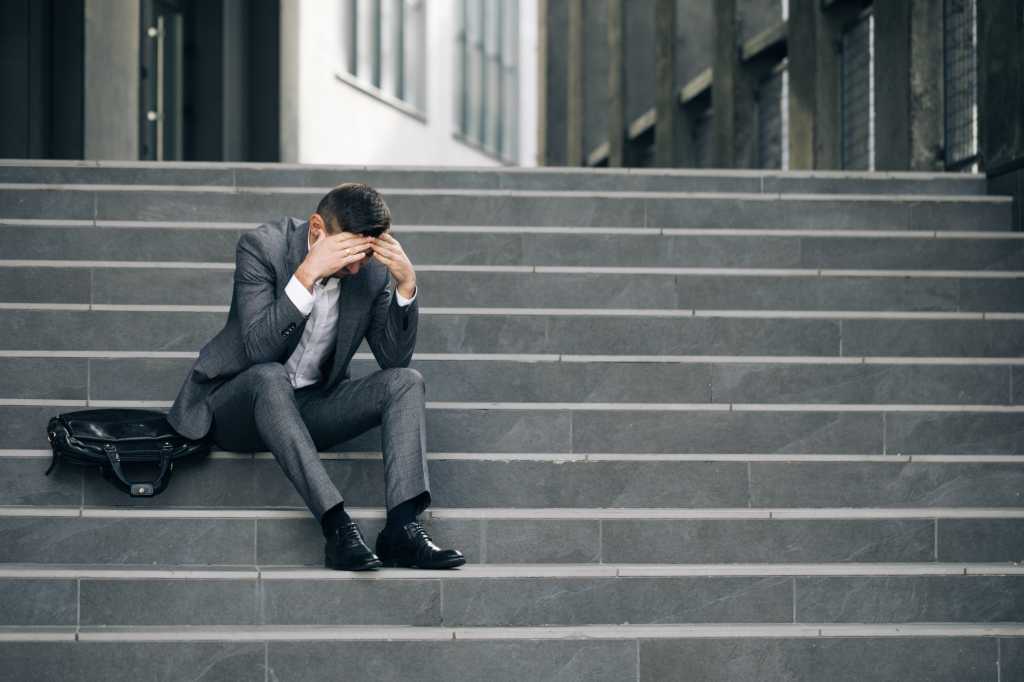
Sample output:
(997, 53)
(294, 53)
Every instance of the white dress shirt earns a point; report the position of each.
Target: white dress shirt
(321, 330)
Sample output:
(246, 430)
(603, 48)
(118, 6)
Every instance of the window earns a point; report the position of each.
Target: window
(487, 76)
(383, 50)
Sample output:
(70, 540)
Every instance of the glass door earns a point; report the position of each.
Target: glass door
(162, 57)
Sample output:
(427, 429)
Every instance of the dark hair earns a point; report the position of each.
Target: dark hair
(355, 207)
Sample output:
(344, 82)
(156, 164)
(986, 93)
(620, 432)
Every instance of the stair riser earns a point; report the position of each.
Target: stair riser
(323, 178)
(499, 381)
(440, 208)
(909, 659)
(512, 602)
(297, 542)
(107, 330)
(190, 286)
(234, 483)
(662, 431)
(482, 248)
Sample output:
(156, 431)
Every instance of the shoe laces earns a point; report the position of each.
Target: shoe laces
(418, 531)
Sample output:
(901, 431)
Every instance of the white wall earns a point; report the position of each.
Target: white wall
(326, 120)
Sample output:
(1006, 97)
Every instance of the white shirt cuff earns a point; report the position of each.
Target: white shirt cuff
(299, 295)
(402, 300)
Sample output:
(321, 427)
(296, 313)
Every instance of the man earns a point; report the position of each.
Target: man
(276, 377)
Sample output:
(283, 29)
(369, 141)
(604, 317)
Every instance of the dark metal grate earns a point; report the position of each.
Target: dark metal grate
(771, 119)
(858, 92)
(960, 75)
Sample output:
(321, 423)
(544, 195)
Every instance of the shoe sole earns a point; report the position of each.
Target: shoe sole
(451, 563)
(369, 566)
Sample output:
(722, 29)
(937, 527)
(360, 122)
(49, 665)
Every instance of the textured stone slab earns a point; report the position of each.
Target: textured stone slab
(169, 602)
(986, 338)
(185, 286)
(352, 602)
(774, 541)
(570, 601)
(998, 295)
(994, 540)
(43, 285)
(937, 659)
(791, 432)
(61, 540)
(47, 203)
(121, 243)
(38, 378)
(905, 599)
(22, 483)
(125, 661)
(954, 433)
(469, 661)
(32, 602)
(897, 484)
(913, 253)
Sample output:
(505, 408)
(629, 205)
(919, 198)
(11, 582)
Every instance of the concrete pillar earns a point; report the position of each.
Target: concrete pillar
(111, 79)
(616, 83)
(908, 85)
(725, 68)
(542, 82)
(803, 73)
(669, 125)
(574, 91)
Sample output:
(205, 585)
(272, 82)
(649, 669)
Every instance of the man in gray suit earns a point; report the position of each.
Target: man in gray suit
(276, 377)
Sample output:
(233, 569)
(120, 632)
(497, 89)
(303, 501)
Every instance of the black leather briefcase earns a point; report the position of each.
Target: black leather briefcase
(114, 438)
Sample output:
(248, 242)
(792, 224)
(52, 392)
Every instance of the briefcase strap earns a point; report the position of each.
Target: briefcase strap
(116, 474)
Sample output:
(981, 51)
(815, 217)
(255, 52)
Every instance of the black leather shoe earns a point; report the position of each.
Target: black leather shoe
(346, 550)
(412, 547)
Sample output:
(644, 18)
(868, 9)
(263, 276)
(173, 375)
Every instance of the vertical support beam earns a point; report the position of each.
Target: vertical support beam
(927, 86)
(724, 67)
(616, 83)
(892, 84)
(112, 79)
(574, 91)
(803, 74)
(666, 100)
(542, 82)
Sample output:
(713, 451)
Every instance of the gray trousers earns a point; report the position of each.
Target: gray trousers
(258, 409)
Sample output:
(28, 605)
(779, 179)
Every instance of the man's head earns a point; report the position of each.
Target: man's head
(352, 207)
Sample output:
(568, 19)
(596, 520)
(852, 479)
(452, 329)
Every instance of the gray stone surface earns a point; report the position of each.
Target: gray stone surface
(912, 253)
(995, 540)
(34, 602)
(838, 659)
(121, 243)
(906, 599)
(41, 285)
(125, 661)
(697, 431)
(1011, 659)
(49, 202)
(541, 660)
(996, 295)
(984, 338)
(770, 541)
(571, 601)
(169, 602)
(954, 433)
(22, 483)
(38, 378)
(352, 602)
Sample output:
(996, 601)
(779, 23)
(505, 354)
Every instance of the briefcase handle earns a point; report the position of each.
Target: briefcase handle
(116, 474)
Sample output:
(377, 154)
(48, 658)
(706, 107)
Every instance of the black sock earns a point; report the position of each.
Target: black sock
(334, 518)
(401, 514)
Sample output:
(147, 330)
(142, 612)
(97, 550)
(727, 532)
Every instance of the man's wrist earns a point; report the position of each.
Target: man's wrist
(407, 290)
(306, 276)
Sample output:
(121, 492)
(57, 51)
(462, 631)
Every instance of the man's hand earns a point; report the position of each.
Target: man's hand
(329, 254)
(388, 251)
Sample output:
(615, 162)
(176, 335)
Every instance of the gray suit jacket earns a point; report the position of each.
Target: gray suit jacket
(265, 326)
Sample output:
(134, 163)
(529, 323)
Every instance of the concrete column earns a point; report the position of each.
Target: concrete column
(668, 127)
(111, 79)
(803, 72)
(616, 83)
(542, 82)
(725, 67)
(908, 85)
(574, 91)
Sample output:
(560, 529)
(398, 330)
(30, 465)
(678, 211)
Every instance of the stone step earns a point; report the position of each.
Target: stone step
(625, 428)
(505, 207)
(501, 598)
(227, 480)
(552, 178)
(561, 331)
(440, 245)
(634, 288)
(638, 653)
(547, 379)
(236, 537)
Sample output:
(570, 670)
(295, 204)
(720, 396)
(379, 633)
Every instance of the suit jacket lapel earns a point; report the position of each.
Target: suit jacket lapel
(298, 247)
(350, 302)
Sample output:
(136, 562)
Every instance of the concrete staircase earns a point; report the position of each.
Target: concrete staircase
(741, 425)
